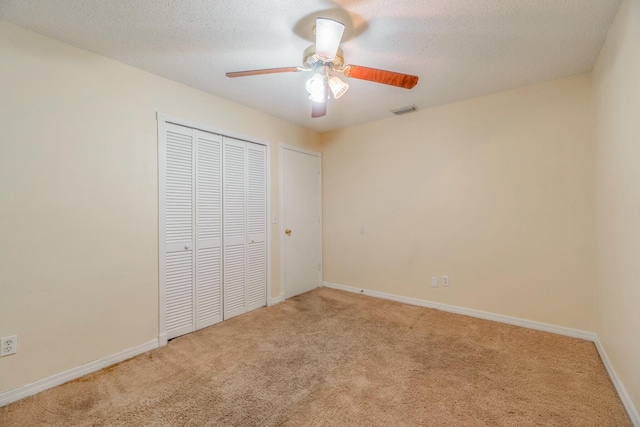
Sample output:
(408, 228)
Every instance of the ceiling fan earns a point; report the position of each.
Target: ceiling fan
(324, 58)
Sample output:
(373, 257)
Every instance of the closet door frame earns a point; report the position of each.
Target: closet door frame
(163, 119)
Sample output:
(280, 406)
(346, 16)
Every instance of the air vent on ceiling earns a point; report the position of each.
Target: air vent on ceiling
(405, 110)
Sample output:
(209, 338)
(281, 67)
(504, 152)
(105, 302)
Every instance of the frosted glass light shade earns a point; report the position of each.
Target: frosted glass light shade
(328, 35)
(317, 88)
(338, 87)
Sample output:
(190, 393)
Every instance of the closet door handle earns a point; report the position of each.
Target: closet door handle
(187, 247)
(287, 232)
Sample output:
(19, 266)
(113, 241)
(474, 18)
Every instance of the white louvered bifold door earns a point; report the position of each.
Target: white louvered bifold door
(245, 226)
(257, 226)
(208, 258)
(235, 226)
(213, 228)
(178, 236)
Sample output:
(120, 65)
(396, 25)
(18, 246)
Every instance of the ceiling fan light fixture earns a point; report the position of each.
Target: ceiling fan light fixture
(316, 86)
(338, 87)
(325, 58)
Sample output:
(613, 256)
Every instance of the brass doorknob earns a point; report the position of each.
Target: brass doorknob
(287, 232)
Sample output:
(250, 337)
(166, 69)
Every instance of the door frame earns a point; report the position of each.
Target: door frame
(163, 119)
(281, 148)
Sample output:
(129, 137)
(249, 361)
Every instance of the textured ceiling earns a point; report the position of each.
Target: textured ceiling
(459, 48)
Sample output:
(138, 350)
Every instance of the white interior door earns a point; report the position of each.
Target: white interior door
(256, 226)
(301, 220)
(208, 259)
(178, 265)
(245, 226)
(235, 226)
(213, 235)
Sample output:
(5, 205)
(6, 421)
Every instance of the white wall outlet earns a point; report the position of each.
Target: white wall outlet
(434, 282)
(445, 280)
(8, 345)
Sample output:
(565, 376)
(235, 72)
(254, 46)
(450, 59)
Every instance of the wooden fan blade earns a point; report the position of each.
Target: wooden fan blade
(392, 78)
(318, 109)
(264, 71)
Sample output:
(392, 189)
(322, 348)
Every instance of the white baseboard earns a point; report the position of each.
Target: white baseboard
(546, 327)
(622, 392)
(57, 379)
(163, 340)
(276, 300)
(531, 324)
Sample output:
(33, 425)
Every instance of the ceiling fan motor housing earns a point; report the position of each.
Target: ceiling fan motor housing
(311, 60)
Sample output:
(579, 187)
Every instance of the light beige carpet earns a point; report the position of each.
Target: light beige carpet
(334, 358)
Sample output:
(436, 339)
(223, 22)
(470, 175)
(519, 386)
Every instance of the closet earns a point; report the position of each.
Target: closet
(213, 228)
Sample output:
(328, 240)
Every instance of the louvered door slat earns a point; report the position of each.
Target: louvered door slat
(234, 189)
(234, 280)
(208, 229)
(256, 226)
(209, 287)
(234, 228)
(257, 276)
(179, 179)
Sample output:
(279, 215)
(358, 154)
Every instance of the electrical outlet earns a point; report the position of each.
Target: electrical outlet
(434, 282)
(445, 280)
(8, 345)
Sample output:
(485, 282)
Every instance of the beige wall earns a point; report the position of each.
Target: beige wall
(617, 100)
(78, 199)
(494, 192)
